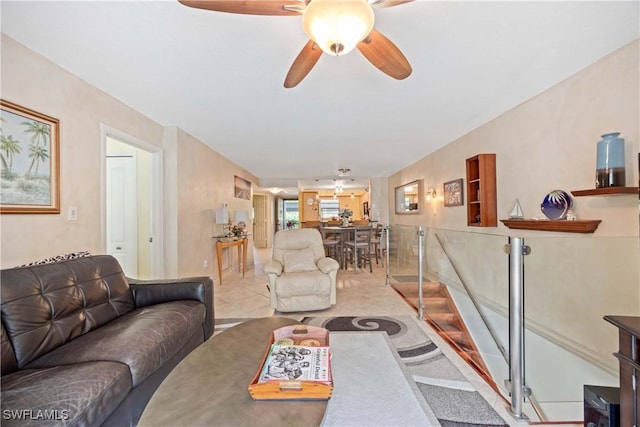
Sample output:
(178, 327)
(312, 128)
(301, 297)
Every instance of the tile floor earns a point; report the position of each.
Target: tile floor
(358, 293)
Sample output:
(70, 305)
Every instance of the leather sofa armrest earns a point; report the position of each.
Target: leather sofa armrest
(150, 292)
(273, 267)
(327, 265)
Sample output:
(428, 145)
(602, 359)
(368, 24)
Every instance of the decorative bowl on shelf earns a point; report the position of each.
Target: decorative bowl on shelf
(556, 204)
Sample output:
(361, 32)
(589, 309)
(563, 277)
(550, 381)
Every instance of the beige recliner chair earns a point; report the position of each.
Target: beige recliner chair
(301, 277)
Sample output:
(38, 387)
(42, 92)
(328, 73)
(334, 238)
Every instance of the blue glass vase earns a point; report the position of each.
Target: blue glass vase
(610, 161)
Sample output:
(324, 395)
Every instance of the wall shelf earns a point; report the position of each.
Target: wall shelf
(608, 191)
(577, 226)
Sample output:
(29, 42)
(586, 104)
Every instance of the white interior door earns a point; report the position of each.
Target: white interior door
(260, 221)
(136, 209)
(122, 224)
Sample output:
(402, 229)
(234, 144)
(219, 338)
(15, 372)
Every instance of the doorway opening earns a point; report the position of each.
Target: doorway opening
(291, 213)
(132, 229)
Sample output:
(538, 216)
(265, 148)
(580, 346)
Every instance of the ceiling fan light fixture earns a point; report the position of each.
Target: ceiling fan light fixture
(337, 26)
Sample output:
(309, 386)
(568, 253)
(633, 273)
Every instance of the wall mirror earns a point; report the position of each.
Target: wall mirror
(409, 198)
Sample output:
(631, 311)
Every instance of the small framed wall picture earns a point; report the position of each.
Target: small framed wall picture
(453, 193)
(241, 188)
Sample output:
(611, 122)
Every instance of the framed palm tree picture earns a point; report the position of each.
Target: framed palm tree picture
(29, 161)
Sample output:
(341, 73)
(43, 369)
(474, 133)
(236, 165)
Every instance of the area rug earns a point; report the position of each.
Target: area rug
(452, 398)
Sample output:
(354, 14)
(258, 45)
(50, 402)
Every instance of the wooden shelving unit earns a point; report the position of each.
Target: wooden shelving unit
(608, 191)
(577, 226)
(481, 191)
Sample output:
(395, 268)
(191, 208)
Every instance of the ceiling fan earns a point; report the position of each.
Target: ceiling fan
(333, 26)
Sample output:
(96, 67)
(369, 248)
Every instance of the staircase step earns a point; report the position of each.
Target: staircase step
(459, 337)
(443, 301)
(436, 305)
(446, 317)
(430, 289)
(449, 327)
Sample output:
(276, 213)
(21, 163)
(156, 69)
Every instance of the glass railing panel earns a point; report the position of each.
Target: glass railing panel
(403, 252)
(474, 269)
(465, 291)
(570, 283)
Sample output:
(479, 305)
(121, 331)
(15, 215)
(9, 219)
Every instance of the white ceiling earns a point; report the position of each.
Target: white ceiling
(220, 76)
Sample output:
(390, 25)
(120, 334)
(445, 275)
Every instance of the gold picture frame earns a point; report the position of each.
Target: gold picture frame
(408, 198)
(29, 161)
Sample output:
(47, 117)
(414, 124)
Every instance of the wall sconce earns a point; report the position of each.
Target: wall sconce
(431, 193)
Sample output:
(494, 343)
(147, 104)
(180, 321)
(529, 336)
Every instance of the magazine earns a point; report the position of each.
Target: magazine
(295, 362)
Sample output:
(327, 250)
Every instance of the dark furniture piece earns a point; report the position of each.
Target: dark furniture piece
(629, 357)
(84, 345)
(210, 387)
(601, 406)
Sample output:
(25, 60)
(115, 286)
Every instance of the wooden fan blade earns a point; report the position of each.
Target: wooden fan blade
(385, 56)
(249, 7)
(388, 3)
(303, 63)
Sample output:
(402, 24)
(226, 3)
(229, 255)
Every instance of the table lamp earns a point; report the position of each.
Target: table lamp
(222, 217)
(241, 216)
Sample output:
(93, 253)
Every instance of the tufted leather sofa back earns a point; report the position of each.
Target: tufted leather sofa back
(45, 306)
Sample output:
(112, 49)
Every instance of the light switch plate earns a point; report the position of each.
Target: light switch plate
(73, 213)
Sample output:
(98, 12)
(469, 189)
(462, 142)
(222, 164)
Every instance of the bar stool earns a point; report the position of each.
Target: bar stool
(375, 242)
(331, 244)
(360, 247)
(379, 244)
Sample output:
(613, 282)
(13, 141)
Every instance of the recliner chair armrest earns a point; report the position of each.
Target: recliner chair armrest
(327, 265)
(150, 292)
(273, 267)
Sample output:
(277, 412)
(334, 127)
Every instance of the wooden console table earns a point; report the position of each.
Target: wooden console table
(629, 357)
(242, 243)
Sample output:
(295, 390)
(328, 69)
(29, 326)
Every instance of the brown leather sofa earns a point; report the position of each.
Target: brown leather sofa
(82, 345)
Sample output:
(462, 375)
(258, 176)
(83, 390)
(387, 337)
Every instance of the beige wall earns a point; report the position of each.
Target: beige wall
(34, 82)
(547, 143)
(379, 200)
(205, 183)
(196, 179)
